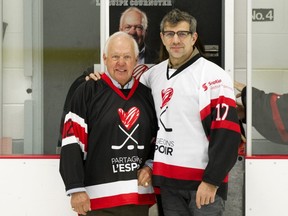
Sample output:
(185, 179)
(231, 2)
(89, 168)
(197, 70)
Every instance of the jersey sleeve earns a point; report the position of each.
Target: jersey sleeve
(74, 141)
(269, 117)
(220, 122)
(66, 107)
(69, 95)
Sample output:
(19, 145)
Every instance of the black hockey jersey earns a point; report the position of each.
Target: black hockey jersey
(269, 117)
(106, 138)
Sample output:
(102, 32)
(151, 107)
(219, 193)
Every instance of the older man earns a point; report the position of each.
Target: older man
(135, 22)
(106, 147)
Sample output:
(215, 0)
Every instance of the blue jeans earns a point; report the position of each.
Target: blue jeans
(183, 203)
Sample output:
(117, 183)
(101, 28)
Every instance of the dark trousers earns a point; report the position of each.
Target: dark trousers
(159, 205)
(183, 203)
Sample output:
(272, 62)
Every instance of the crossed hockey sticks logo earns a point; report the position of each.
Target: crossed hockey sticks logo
(128, 119)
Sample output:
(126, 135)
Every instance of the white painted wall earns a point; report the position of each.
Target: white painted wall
(270, 38)
(269, 45)
(32, 187)
(266, 186)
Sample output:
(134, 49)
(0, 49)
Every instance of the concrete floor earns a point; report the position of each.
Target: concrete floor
(153, 211)
(234, 205)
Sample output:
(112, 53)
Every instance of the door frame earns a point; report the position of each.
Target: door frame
(33, 66)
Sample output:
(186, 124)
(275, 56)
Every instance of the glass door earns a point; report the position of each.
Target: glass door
(45, 46)
(71, 44)
(16, 77)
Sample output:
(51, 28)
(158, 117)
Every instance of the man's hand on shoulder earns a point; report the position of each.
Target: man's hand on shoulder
(94, 76)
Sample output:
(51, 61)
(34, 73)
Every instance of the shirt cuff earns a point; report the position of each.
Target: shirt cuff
(149, 163)
(75, 190)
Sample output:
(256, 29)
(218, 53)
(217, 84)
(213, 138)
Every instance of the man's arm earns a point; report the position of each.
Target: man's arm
(223, 132)
(222, 129)
(69, 95)
(73, 152)
(269, 110)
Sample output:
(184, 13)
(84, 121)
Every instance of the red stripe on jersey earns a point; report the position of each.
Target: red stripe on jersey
(179, 173)
(277, 118)
(72, 128)
(139, 70)
(226, 125)
(156, 190)
(124, 199)
(206, 111)
(230, 102)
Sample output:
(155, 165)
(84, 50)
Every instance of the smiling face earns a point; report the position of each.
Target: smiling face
(132, 24)
(179, 48)
(120, 59)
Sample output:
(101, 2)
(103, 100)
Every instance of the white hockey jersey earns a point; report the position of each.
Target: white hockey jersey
(199, 132)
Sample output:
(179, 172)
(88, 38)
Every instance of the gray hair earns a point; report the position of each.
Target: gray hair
(143, 14)
(123, 35)
(175, 16)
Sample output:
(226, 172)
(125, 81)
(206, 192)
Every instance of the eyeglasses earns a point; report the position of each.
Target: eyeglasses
(136, 27)
(180, 34)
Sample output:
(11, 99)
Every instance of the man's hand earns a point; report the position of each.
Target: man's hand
(95, 76)
(241, 112)
(205, 194)
(144, 176)
(239, 86)
(80, 202)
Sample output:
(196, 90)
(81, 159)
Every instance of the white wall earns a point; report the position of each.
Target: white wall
(32, 187)
(270, 38)
(266, 186)
(269, 45)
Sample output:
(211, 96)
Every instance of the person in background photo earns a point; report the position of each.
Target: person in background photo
(199, 133)
(269, 113)
(135, 22)
(107, 149)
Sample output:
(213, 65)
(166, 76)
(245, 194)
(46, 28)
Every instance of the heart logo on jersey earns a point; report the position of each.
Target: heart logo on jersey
(129, 118)
(166, 96)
